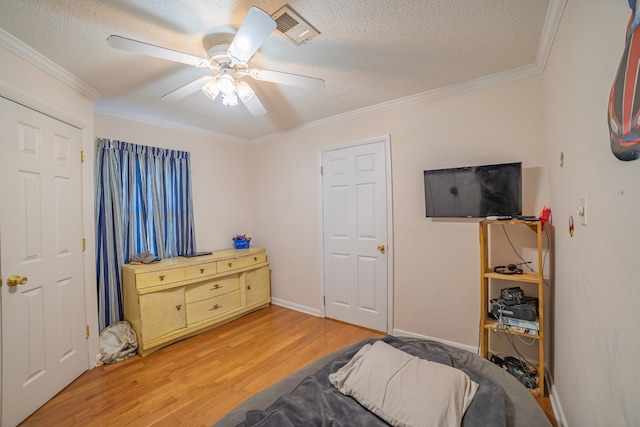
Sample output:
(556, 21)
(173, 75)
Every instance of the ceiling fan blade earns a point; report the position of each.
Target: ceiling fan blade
(286, 78)
(156, 51)
(254, 106)
(255, 29)
(187, 89)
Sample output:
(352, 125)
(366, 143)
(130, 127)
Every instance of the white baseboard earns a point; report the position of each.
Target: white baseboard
(396, 332)
(555, 402)
(296, 307)
(401, 333)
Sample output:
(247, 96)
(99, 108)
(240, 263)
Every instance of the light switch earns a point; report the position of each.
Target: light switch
(582, 211)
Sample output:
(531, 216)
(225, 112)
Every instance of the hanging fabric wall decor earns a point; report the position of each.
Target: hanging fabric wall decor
(624, 99)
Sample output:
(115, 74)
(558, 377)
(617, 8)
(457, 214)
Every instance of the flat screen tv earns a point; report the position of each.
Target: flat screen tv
(474, 191)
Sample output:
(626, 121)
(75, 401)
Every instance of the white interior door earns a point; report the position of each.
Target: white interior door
(44, 344)
(354, 207)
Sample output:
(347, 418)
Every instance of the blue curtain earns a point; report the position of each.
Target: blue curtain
(143, 203)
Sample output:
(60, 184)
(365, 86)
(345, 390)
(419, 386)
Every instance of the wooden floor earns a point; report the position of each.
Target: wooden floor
(197, 381)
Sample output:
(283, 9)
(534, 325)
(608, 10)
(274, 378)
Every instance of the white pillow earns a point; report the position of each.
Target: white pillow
(405, 390)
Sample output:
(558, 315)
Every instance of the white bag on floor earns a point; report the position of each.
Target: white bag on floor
(117, 342)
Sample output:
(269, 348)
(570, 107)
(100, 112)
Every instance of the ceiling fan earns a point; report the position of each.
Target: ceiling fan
(229, 62)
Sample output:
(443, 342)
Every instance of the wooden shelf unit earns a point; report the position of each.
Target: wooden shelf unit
(489, 324)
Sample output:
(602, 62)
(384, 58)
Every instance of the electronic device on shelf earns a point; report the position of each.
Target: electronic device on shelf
(499, 217)
(516, 367)
(527, 217)
(527, 309)
(510, 269)
(474, 191)
(512, 296)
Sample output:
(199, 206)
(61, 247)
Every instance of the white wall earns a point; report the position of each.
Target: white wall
(596, 282)
(221, 178)
(436, 262)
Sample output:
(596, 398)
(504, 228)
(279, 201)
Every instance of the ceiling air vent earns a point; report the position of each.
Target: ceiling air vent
(293, 25)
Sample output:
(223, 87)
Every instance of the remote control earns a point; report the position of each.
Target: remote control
(527, 217)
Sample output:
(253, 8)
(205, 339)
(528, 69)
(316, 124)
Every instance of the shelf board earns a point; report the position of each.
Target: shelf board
(509, 221)
(492, 325)
(524, 277)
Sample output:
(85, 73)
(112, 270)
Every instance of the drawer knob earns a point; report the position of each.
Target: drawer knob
(215, 307)
(217, 286)
(255, 258)
(201, 270)
(161, 278)
(249, 287)
(230, 264)
(178, 307)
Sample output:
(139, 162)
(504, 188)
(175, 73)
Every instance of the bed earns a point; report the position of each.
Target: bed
(315, 395)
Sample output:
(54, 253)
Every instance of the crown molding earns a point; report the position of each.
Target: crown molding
(102, 106)
(444, 92)
(38, 60)
(113, 109)
(551, 24)
(552, 21)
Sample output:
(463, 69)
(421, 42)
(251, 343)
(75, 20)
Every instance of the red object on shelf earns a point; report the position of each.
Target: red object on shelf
(545, 216)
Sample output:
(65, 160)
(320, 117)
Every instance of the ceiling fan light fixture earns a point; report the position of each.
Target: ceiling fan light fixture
(226, 84)
(217, 56)
(254, 30)
(230, 99)
(244, 91)
(211, 89)
(229, 62)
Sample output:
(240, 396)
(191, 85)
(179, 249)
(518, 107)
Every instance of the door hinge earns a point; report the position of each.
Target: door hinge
(324, 300)
(87, 330)
(84, 245)
(81, 156)
(321, 170)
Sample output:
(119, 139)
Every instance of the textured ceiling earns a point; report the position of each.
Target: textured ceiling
(369, 52)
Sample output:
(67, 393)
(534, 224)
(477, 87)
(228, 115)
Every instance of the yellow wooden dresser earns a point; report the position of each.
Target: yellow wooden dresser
(181, 297)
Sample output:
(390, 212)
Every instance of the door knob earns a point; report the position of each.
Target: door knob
(16, 280)
(381, 248)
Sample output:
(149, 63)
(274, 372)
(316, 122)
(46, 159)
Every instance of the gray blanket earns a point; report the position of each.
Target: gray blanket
(315, 402)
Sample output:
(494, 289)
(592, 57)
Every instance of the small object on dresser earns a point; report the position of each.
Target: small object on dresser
(144, 258)
(196, 254)
(241, 241)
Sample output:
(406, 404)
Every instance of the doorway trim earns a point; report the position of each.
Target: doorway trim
(386, 140)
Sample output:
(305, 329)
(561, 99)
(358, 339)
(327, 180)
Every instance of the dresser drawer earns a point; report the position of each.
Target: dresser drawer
(212, 288)
(241, 262)
(212, 307)
(201, 270)
(161, 277)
